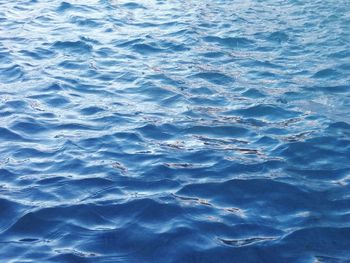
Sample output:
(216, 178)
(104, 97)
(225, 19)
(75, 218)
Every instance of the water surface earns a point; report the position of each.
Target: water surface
(174, 131)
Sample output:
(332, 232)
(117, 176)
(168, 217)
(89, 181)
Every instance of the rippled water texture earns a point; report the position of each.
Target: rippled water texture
(175, 131)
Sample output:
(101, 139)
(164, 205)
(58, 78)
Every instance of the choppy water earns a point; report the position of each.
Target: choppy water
(174, 131)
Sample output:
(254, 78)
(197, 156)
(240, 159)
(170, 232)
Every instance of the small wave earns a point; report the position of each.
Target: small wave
(146, 49)
(74, 47)
(11, 74)
(231, 42)
(9, 135)
(215, 77)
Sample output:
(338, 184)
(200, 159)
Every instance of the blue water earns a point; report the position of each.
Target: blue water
(174, 131)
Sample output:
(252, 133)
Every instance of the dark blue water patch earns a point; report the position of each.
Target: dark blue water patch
(34, 55)
(84, 22)
(251, 189)
(154, 132)
(28, 240)
(174, 47)
(9, 135)
(57, 101)
(339, 128)
(324, 174)
(261, 64)
(279, 37)
(210, 102)
(215, 77)
(16, 104)
(91, 110)
(5, 57)
(340, 54)
(64, 6)
(128, 42)
(146, 49)
(29, 126)
(133, 5)
(89, 39)
(11, 74)
(315, 243)
(315, 152)
(38, 224)
(213, 54)
(253, 93)
(74, 47)
(326, 73)
(330, 89)
(53, 87)
(9, 209)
